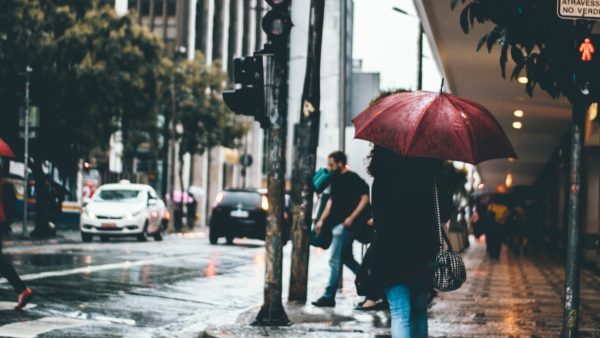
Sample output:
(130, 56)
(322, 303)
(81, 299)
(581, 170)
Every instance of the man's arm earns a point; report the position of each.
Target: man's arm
(324, 215)
(364, 200)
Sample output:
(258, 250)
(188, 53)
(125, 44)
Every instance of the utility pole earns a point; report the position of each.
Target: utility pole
(572, 275)
(272, 312)
(343, 73)
(28, 71)
(420, 59)
(585, 79)
(306, 140)
(261, 91)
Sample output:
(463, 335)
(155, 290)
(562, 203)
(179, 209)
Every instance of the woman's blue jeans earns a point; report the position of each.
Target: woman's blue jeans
(408, 307)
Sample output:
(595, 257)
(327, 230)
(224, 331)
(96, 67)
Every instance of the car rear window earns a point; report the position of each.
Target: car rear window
(246, 198)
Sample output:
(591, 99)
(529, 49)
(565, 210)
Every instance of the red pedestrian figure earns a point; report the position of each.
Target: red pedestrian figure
(587, 49)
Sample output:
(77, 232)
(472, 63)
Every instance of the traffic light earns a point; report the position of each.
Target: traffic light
(587, 75)
(248, 96)
(277, 24)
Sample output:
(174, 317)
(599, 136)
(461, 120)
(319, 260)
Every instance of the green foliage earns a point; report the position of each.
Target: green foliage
(535, 38)
(93, 71)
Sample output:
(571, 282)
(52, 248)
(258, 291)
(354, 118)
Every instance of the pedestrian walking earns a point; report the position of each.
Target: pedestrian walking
(406, 241)
(496, 228)
(349, 198)
(7, 214)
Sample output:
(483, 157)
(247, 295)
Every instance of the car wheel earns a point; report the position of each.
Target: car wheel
(213, 237)
(104, 239)
(86, 238)
(142, 236)
(157, 236)
(230, 240)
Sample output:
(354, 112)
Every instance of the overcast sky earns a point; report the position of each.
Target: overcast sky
(387, 43)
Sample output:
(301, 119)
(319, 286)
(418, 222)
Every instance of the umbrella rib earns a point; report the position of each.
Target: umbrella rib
(418, 124)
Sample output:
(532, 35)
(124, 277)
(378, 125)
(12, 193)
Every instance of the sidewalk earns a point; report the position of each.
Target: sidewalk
(15, 238)
(516, 297)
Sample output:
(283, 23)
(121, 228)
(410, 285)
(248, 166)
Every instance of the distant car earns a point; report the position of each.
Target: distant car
(123, 209)
(242, 213)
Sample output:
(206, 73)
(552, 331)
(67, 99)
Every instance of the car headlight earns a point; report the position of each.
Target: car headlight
(89, 214)
(132, 215)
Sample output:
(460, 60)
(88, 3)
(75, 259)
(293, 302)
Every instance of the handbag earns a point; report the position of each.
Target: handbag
(366, 282)
(321, 180)
(449, 271)
(322, 239)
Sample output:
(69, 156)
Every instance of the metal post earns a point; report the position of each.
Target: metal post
(420, 61)
(571, 300)
(28, 71)
(272, 312)
(343, 73)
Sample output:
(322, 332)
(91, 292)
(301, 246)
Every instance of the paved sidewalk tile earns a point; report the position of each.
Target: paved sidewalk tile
(515, 297)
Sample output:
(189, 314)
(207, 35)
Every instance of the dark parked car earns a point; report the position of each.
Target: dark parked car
(242, 213)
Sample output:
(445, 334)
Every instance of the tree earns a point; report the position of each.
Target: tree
(541, 44)
(94, 73)
(306, 142)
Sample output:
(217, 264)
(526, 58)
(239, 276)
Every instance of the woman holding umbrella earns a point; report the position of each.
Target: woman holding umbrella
(6, 269)
(413, 132)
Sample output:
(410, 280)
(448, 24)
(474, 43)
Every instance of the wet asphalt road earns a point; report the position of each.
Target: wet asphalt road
(128, 289)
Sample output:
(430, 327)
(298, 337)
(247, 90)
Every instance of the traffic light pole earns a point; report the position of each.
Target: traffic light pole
(572, 275)
(306, 141)
(272, 312)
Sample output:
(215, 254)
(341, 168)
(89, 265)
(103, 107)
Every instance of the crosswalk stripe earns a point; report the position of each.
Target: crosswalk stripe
(33, 328)
(95, 268)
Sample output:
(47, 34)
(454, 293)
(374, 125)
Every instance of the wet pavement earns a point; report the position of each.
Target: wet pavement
(184, 287)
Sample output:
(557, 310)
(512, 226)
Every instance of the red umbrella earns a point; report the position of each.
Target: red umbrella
(434, 125)
(5, 150)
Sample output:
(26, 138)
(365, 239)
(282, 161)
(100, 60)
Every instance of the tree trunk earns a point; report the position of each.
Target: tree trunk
(202, 11)
(258, 33)
(42, 205)
(305, 153)
(272, 312)
(247, 29)
(179, 205)
(233, 35)
(218, 30)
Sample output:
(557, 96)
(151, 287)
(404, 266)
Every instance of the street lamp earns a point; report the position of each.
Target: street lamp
(420, 48)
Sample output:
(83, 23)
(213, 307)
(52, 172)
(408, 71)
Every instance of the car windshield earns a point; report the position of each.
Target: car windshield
(120, 195)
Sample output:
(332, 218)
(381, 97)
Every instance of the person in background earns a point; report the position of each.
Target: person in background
(7, 215)
(349, 197)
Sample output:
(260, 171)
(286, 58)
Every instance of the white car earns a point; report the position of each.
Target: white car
(123, 209)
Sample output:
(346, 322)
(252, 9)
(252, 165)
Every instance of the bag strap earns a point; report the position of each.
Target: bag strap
(442, 236)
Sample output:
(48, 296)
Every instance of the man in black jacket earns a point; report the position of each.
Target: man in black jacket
(349, 197)
(7, 211)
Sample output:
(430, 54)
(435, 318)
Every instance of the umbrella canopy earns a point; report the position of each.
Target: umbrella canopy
(434, 125)
(5, 150)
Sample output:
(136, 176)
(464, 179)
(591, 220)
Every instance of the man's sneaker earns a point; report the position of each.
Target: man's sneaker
(324, 302)
(24, 298)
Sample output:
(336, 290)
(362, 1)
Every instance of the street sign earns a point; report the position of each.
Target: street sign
(579, 9)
